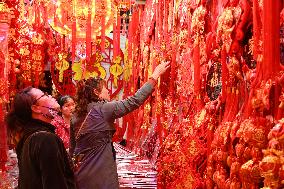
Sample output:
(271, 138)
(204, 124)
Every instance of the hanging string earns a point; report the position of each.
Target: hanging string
(74, 31)
(103, 26)
(89, 33)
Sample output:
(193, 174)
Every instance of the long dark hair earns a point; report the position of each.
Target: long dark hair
(21, 111)
(85, 93)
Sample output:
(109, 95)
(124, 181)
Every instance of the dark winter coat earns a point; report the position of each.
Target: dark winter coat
(42, 159)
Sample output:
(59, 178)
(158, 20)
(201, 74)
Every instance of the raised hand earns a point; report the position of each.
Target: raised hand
(160, 69)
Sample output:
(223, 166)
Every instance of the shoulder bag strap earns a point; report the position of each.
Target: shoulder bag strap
(78, 133)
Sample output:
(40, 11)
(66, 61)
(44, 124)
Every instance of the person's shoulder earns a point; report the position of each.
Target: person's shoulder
(109, 105)
(44, 136)
(46, 144)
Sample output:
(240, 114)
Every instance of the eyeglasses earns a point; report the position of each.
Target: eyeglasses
(36, 100)
(53, 109)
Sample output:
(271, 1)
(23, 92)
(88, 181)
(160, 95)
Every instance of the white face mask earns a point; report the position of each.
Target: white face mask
(52, 113)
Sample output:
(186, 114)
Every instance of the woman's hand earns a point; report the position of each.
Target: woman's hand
(160, 69)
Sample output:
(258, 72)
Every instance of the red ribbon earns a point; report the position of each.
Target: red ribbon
(173, 71)
(118, 33)
(55, 17)
(103, 34)
(196, 60)
(225, 74)
(89, 34)
(73, 38)
(114, 39)
(37, 17)
(3, 144)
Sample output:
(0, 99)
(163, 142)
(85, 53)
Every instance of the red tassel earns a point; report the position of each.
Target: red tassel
(103, 34)
(114, 39)
(196, 60)
(129, 40)
(3, 144)
(37, 16)
(271, 41)
(157, 24)
(116, 36)
(74, 38)
(45, 18)
(257, 25)
(173, 62)
(225, 76)
(55, 18)
(89, 35)
(118, 33)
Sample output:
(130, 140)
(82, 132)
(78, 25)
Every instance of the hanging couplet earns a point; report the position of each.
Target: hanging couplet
(37, 57)
(214, 83)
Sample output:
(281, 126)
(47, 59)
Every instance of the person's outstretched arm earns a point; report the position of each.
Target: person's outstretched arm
(117, 109)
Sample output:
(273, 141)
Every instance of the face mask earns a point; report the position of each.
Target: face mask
(52, 113)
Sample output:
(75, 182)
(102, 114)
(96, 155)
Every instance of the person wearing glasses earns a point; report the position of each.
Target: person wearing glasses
(42, 159)
(94, 155)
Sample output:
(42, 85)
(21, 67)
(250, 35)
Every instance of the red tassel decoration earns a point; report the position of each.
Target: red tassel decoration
(103, 34)
(37, 16)
(55, 18)
(118, 33)
(89, 33)
(74, 40)
(225, 75)
(173, 71)
(103, 20)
